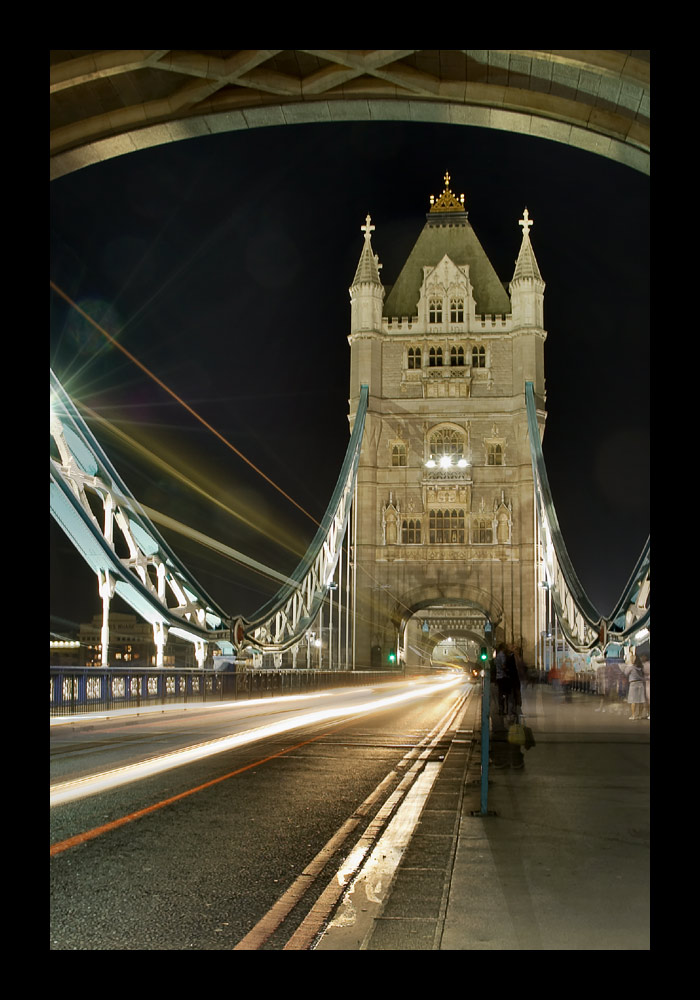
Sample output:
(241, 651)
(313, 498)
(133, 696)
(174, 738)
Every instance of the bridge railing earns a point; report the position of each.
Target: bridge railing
(80, 690)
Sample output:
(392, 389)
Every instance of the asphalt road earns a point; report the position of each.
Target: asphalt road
(194, 857)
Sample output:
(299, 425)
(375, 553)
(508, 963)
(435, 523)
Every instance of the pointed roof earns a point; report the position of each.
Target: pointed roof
(368, 267)
(447, 231)
(526, 264)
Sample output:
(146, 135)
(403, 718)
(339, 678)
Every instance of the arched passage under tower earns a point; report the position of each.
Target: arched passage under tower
(437, 631)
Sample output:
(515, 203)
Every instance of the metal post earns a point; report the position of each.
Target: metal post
(330, 629)
(485, 739)
(320, 639)
(354, 575)
(347, 599)
(340, 602)
(106, 591)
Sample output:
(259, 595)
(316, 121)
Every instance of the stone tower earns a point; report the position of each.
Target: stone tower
(446, 537)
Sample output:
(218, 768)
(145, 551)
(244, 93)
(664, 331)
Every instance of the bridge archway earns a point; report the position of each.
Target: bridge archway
(422, 623)
(108, 102)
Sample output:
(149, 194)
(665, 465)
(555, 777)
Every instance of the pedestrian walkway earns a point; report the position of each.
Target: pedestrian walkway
(560, 861)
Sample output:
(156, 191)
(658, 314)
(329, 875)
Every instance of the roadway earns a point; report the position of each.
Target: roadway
(248, 820)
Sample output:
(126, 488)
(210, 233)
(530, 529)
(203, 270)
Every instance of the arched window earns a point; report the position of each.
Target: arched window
(410, 532)
(482, 532)
(446, 527)
(398, 455)
(446, 442)
(435, 311)
(456, 310)
(414, 357)
(435, 357)
(478, 357)
(457, 357)
(495, 454)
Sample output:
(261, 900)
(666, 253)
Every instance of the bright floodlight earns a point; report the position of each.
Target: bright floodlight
(430, 464)
(445, 462)
(462, 463)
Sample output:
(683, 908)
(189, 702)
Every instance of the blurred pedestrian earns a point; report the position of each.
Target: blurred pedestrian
(554, 677)
(636, 696)
(646, 665)
(505, 707)
(521, 667)
(500, 676)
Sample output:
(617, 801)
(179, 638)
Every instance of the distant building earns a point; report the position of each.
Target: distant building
(130, 643)
(65, 653)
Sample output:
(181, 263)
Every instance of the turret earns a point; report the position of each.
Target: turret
(527, 287)
(367, 291)
(366, 302)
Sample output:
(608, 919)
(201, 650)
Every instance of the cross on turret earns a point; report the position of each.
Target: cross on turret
(367, 228)
(525, 222)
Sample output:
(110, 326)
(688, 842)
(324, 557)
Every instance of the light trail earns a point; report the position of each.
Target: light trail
(225, 550)
(70, 791)
(178, 399)
(159, 462)
(183, 706)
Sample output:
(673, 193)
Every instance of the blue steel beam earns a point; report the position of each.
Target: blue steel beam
(80, 467)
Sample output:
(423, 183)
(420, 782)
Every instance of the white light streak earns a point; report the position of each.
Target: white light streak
(69, 791)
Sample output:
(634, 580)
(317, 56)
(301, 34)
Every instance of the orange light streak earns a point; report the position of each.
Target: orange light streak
(97, 831)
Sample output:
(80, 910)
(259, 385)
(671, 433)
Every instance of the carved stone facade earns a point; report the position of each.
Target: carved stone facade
(445, 495)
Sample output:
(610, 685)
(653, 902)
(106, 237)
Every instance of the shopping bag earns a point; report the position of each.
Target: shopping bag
(516, 734)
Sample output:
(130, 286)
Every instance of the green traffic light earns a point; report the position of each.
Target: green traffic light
(392, 657)
(483, 655)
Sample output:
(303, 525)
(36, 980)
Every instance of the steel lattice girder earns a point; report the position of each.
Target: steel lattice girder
(151, 571)
(583, 626)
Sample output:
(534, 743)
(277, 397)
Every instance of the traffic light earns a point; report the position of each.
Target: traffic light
(392, 657)
(483, 655)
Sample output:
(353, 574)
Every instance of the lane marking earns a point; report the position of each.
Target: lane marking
(310, 927)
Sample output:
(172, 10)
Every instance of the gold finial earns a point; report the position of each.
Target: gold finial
(447, 202)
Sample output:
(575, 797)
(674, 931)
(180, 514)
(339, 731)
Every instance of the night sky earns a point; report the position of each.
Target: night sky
(223, 264)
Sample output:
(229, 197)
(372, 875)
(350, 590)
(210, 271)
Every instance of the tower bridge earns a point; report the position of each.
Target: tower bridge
(441, 523)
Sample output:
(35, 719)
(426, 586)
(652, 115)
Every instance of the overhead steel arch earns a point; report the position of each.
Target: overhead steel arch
(108, 102)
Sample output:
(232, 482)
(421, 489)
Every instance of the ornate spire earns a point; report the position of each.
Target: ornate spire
(526, 264)
(368, 266)
(447, 202)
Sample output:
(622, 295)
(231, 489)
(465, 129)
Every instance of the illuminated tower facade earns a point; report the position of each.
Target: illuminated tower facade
(446, 537)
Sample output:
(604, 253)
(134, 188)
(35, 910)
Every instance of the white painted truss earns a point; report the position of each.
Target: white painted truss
(96, 510)
(583, 627)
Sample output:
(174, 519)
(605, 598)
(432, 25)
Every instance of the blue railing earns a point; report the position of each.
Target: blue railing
(79, 690)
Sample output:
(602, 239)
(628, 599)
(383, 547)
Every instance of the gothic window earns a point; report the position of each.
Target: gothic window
(495, 454)
(446, 442)
(398, 455)
(435, 357)
(456, 310)
(414, 357)
(457, 357)
(435, 311)
(410, 532)
(446, 527)
(478, 357)
(482, 532)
